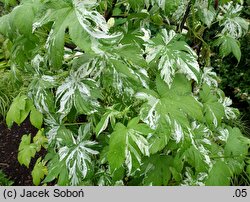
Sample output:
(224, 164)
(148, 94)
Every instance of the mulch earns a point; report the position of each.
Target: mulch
(9, 143)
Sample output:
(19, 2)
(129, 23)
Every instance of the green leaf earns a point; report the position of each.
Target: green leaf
(5, 27)
(118, 174)
(106, 118)
(102, 125)
(77, 154)
(214, 111)
(40, 140)
(56, 37)
(236, 145)
(233, 25)
(55, 41)
(22, 20)
(80, 94)
(136, 5)
(128, 144)
(172, 56)
(179, 98)
(36, 118)
(79, 36)
(157, 19)
(207, 15)
(228, 45)
(194, 157)
(121, 67)
(219, 175)
(19, 110)
(56, 169)
(63, 178)
(142, 128)
(172, 110)
(9, 2)
(176, 175)
(39, 171)
(117, 147)
(157, 170)
(160, 138)
(26, 150)
(131, 53)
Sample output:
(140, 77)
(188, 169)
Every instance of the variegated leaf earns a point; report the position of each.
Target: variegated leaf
(87, 16)
(76, 90)
(173, 56)
(78, 155)
(231, 22)
(128, 144)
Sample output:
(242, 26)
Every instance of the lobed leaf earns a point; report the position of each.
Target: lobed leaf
(26, 150)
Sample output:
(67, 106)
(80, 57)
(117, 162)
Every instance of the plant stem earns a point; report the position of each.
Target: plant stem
(108, 13)
(181, 26)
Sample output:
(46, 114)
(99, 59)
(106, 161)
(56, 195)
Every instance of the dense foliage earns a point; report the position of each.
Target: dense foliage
(234, 75)
(123, 92)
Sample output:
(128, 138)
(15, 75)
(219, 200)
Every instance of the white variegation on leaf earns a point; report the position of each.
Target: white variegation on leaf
(123, 63)
(40, 100)
(202, 129)
(213, 108)
(140, 141)
(202, 143)
(133, 145)
(78, 157)
(224, 134)
(214, 118)
(209, 77)
(149, 114)
(109, 115)
(168, 36)
(66, 94)
(205, 152)
(207, 13)
(40, 91)
(92, 21)
(231, 22)
(135, 137)
(122, 81)
(36, 61)
(201, 3)
(54, 125)
(177, 134)
(166, 104)
(147, 35)
(179, 12)
(160, 3)
(51, 134)
(230, 112)
(173, 56)
(191, 180)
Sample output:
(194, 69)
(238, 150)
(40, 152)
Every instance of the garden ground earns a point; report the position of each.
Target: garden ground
(9, 143)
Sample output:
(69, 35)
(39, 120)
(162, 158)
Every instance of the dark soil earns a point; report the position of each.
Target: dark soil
(9, 143)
